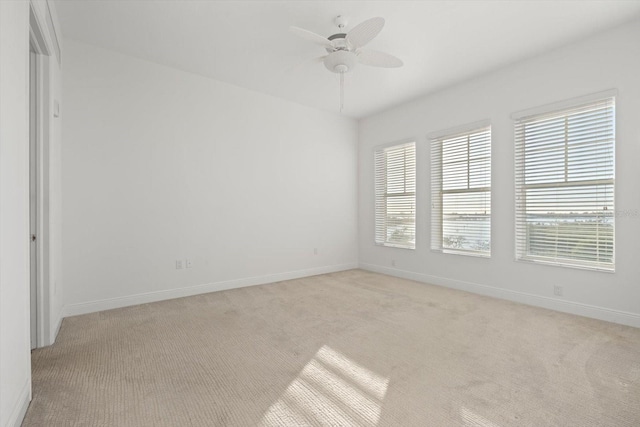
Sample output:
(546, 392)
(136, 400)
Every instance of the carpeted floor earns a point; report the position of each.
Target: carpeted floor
(350, 348)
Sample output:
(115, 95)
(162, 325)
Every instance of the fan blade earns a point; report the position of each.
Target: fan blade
(378, 59)
(364, 32)
(312, 37)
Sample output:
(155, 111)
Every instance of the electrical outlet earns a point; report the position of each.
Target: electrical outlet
(179, 265)
(557, 290)
(315, 251)
(393, 263)
(188, 263)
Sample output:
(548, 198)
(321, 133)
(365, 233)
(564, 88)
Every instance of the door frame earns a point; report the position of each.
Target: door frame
(44, 334)
(33, 195)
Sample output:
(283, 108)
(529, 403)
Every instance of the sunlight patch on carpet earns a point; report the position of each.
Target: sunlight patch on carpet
(471, 419)
(330, 390)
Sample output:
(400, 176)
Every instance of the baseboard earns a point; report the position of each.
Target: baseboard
(21, 406)
(111, 303)
(56, 330)
(55, 323)
(601, 313)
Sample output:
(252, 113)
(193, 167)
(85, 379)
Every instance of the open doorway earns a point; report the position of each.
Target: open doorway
(40, 122)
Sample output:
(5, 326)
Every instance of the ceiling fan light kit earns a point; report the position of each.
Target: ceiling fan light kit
(341, 61)
(344, 50)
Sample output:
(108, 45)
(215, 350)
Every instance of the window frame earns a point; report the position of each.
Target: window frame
(384, 148)
(437, 191)
(556, 111)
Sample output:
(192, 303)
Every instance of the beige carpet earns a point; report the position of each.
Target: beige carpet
(351, 348)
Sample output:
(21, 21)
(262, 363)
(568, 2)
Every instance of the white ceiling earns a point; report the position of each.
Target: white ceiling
(247, 43)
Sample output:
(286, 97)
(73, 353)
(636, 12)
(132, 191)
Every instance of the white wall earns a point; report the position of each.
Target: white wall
(161, 165)
(15, 359)
(55, 280)
(610, 60)
(15, 366)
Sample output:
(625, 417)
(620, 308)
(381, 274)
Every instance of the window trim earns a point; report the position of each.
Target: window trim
(398, 143)
(453, 132)
(564, 105)
(553, 109)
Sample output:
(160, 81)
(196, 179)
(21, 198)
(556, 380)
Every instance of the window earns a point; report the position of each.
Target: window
(461, 192)
(395, 170)
(565, 186)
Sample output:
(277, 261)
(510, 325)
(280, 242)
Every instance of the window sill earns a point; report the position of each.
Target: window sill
(391, 245)
(533, 260)
(464, 253)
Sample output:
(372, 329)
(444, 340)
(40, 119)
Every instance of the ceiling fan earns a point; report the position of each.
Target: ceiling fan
(345, 49)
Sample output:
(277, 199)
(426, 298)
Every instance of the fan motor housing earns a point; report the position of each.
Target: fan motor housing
(339, 42)
(337, 36)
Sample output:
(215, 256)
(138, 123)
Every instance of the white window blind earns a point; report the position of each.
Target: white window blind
(565, 186)
(461, 192)
(395, 181)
